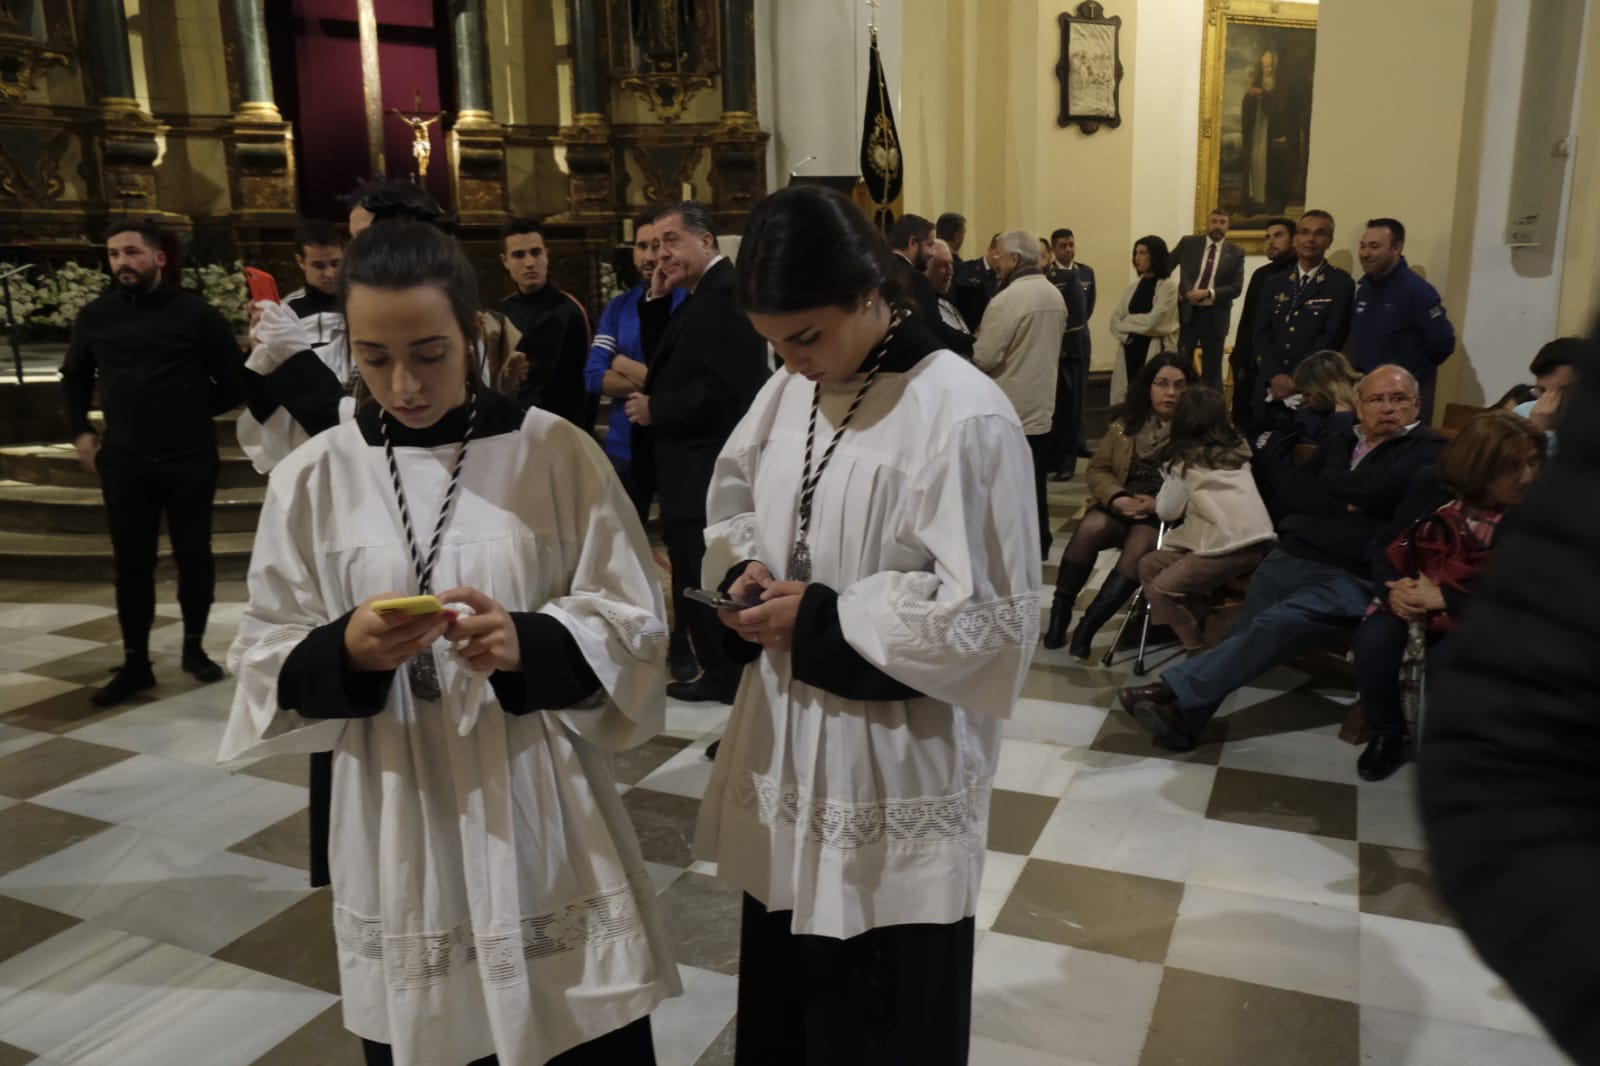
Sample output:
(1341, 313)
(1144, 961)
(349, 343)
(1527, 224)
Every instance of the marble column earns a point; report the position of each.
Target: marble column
(737, 18)
(477, 142)
(108, 53)
(739, 145)
(126, 135)
(260, 161)
(253, 69)
(591, 162)
(588, 64)
(472, 62)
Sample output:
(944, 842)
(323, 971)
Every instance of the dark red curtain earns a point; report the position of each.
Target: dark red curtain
(316, 59)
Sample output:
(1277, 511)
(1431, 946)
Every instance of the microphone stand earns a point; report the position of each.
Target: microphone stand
(11, 315)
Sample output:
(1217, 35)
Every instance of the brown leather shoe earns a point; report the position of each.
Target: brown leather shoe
(1165, 723)
(1157, 692)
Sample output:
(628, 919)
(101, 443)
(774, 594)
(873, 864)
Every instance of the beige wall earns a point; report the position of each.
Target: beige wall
(1403, 144)
(979, 123)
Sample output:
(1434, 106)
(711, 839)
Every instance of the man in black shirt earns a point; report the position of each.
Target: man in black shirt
(319, 252)
(166, 363)
(555, 329)
(1279, 249)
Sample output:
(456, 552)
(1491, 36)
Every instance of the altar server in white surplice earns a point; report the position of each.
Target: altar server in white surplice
(878, 498)
(489, 894)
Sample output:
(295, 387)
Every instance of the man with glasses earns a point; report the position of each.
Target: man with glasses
(1318, 581)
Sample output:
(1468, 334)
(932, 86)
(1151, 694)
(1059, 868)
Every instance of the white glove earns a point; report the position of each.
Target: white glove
(281, 333)
(467, 714)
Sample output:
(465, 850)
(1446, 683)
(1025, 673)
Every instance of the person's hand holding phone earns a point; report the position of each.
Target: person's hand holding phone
(771, 622)
(376, 642)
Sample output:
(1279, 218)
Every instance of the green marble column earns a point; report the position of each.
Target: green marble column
(108, 52)
(251, 62)
(588, 64)
(738, 57)
(472, 62)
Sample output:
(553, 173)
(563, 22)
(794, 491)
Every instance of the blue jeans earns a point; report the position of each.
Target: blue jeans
(1291, 601)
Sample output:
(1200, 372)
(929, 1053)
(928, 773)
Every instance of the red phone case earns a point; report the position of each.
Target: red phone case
(262, 285)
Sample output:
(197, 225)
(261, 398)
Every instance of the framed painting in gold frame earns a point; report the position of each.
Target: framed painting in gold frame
(1257, 68)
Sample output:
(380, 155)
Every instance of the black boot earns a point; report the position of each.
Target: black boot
(1113, 594)
(198, 664)
(1069, 582)
(132, 678)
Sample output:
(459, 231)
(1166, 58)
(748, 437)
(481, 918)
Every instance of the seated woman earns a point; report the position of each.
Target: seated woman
(1431, 566)
(1225, 531)
(1123, 478)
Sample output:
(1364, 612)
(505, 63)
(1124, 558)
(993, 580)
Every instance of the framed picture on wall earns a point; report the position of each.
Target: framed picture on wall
(1090, 68)
(1256, 73)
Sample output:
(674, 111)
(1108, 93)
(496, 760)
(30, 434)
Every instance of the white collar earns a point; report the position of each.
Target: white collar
(719, 257)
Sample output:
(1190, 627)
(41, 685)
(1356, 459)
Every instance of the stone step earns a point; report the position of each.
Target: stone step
(226, 423)
(28, 508)
(57, 464)
(87, 556)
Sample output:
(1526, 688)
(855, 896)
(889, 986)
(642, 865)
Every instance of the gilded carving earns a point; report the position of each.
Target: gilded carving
(29, 160)
(666, 95)
(666, 169)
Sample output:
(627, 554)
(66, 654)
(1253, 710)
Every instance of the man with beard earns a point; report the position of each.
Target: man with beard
(166, 363)
(1279, 249)
(1210, 278)
(555, 329)
(912, 241)
(617, 367)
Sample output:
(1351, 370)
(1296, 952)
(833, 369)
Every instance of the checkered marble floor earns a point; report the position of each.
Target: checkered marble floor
(1248, 904)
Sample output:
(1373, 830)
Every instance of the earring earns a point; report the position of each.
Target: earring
(870, 303)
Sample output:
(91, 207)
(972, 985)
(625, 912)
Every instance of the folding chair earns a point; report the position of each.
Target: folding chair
(1139, 601)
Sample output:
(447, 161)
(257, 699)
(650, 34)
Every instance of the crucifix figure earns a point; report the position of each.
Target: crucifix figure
(872, 15)
(421, 146)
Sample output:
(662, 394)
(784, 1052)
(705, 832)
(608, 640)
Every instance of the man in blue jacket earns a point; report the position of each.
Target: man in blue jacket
(616, 367)
(1398, 317)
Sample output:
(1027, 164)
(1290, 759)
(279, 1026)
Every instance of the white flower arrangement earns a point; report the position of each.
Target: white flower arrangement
(610, 288)
(48, 301)
(224, 287)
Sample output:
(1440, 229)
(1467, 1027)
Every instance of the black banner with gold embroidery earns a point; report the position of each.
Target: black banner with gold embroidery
(882, 163)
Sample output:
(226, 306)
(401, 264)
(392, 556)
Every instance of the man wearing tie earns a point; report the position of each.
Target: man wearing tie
(1210, 278)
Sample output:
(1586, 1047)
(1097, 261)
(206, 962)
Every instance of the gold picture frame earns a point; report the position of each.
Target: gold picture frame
(1255, 113)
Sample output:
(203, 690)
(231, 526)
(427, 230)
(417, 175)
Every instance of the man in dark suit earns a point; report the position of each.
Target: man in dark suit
(1279, 249)
(1306, 309)
(1210, 278)
(707, 363)
(976, 283)
(912, 241)
(1075, 351)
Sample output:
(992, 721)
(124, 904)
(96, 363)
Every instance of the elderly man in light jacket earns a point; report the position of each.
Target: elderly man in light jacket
(1018, 344)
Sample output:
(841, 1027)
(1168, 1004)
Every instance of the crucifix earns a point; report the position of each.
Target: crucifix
(872, 15)
(419, 121)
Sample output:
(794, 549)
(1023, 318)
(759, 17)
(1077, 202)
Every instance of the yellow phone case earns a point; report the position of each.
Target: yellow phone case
(410, 606)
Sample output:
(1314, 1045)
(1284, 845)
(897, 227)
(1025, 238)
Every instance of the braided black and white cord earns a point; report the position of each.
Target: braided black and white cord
(808, 480)
(423, 567)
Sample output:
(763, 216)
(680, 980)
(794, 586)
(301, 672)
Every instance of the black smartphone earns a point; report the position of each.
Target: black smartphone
(718, 600)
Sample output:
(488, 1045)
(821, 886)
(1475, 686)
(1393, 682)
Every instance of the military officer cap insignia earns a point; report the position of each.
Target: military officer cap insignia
(1438, 311)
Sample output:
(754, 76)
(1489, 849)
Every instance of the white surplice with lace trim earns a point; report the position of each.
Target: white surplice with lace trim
(857, 815)
(490, 896)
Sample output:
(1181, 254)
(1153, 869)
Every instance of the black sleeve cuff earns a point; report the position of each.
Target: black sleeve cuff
(560, 677)
(822, 658)
(308, 390)
(258, 399)
(318, 682)
(738, 651)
